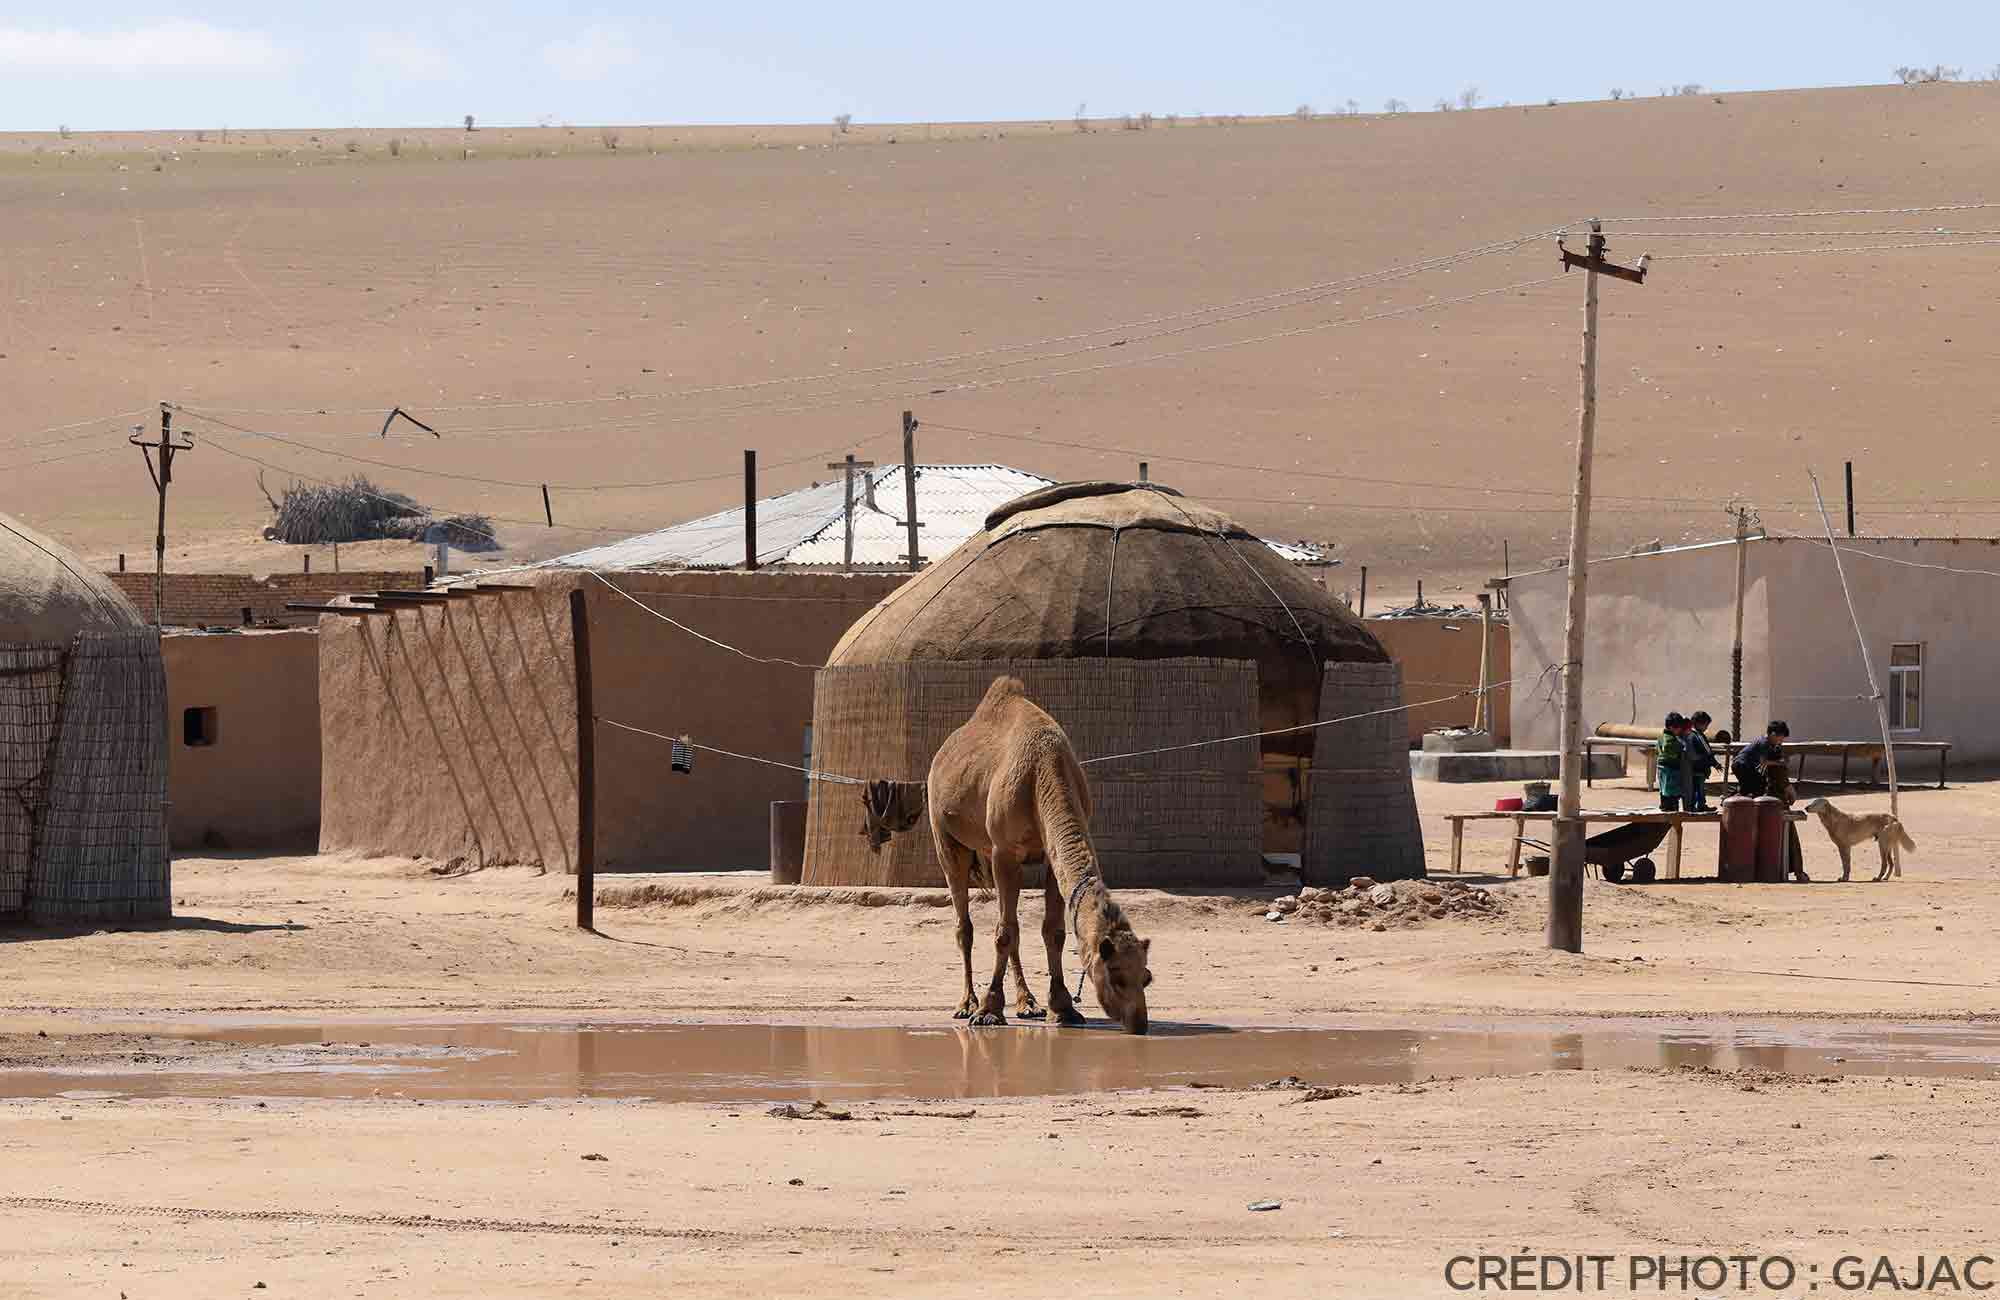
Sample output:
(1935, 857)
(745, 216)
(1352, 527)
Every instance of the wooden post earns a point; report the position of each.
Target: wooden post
(161, 477)
(1736, 645)
(548, 511)
(910, 486)
(1482, 715)
(586, 765)
(1867, 660)
(750, 508)
(309, 562)
(1362, 612)
(1850, 498)
(847, 467)
(1144, 470)
(1566, 856)
(121, 561)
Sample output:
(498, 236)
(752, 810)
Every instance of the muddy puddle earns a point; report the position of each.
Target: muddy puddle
(759, 1062)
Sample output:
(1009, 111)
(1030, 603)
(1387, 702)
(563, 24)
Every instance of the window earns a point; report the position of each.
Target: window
(1906, 686)
(198, 726)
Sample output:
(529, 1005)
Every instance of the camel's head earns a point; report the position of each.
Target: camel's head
(1120, 976)
(892, 807)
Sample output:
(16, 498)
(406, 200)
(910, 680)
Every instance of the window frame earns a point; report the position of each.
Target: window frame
(1899, 675)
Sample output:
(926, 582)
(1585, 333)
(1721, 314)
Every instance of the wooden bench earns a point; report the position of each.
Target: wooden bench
(1845, 749)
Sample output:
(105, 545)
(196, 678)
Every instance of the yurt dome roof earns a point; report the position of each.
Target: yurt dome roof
(47, 594)
(1117, 570)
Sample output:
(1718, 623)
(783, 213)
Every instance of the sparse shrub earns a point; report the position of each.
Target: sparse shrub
(1469, 98)
(468, 122)
(395, 146)
(1145, 121)
(1925, 76)
(610, 139)
(1553, 101)
(1173, 120)
(359, 511)
(1395, 106)
(1443, 106)
(201, 137)
(1616, 93)
(1353, 108)
(1082, 117)
(1304, 112)
(353, 146)
(841, 121)
(1128, 122)
(470, 532)
(63, 131)
(1690, 89)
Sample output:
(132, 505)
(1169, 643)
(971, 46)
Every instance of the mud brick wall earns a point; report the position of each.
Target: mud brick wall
(1361, 819)
(218, 599)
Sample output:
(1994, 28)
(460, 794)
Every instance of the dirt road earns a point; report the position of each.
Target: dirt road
(1123, 1193)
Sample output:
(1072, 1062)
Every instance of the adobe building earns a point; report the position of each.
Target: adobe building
(243, 742)
(1660, 629)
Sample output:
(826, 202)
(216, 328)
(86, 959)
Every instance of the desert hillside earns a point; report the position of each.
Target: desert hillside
(620, 322)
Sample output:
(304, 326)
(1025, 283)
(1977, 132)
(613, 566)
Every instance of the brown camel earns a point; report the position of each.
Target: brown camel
(1006, 788)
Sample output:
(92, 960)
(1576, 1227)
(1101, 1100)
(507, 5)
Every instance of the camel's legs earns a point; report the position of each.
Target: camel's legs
(1025, 1006)
(1052, 938)
(957, 860)
(1006, 938)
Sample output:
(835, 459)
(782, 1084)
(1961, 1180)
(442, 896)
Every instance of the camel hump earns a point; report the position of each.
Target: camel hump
(1004, 688)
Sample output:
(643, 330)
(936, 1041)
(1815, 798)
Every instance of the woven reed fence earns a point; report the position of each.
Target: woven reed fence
(31, 678)
(83, 752)
(1194, 817)
(1361, 809)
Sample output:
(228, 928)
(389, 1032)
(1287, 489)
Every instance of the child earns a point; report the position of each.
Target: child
(1669, 753)
(1700, 760)
(1754, 762)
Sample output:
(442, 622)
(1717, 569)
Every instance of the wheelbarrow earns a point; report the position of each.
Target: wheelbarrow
(1619, 850)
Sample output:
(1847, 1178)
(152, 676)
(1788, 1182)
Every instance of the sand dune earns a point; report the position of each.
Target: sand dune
(650, 295)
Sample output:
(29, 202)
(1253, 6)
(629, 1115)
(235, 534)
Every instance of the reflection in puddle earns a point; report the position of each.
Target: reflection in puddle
(745, 1062)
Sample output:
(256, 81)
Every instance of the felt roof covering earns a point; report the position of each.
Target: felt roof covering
(1175, 578)
(47, 594)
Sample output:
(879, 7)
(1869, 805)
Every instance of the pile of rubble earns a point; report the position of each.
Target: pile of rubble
(1401, 905)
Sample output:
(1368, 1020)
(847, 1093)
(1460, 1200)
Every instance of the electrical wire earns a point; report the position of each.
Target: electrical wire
(699, 636)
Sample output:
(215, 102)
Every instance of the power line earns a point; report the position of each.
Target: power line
(1833, 248)
(700, 636)
(76, 424)
(1795, 216)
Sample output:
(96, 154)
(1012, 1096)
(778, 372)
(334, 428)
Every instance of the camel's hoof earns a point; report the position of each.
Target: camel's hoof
(1070, 1018)
(985, 1018)
(1030, 1012)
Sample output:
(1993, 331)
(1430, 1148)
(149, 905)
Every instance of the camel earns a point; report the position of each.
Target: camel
(1006, 788)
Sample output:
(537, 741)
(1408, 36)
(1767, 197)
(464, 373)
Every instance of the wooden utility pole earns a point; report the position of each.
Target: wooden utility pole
(910, 486)
(749, 509)
(586, 765)
(1742, 514)
(1850, 498)
(1362, 610)
(1145, 472)
(847, 512)
(1566, 869)
(161, 476)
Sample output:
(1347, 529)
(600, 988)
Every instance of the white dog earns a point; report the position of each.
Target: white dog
(1848, 830)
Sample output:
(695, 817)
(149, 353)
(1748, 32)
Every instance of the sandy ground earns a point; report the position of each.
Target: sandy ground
(1079, 1194)
(655, 292)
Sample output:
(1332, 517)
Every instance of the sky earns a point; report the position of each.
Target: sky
(363, 63)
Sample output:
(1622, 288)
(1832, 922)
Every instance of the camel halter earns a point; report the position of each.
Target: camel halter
(1082, 958)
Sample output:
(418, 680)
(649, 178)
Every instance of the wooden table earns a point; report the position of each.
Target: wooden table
(1846, 749)
(1674, 820)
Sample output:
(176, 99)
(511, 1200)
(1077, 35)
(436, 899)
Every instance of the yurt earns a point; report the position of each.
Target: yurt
(1164, 637)
(83, 763)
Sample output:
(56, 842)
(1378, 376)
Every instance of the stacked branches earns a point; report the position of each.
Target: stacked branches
(356, 510)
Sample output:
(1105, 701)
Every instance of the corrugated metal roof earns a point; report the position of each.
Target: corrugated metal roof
(804, 528)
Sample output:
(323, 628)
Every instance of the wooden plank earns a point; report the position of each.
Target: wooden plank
(1457, 846)
(1514, 849)
(356, 610)
(1674, 851)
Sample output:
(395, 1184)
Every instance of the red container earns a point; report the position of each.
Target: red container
(1738, 860)
(1507, 805)
(1772, 841)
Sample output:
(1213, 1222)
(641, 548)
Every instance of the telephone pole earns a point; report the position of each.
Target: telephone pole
(849, 466)
(162, 476)
(1566, 867)
(910, 486)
